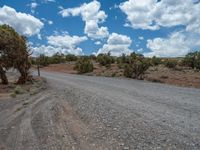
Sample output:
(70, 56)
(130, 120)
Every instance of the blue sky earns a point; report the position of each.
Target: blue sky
(165, 28)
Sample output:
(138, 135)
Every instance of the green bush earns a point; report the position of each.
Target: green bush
(93, 57)
(136, 67)
(13, 95)
(192, 60)
(71, 57)
(18, 90)
(105, 59)
(57, 59)
(42, 60)
(128, 71)
(123, 59)
(84, 65)
(155, 61)
(170, 63)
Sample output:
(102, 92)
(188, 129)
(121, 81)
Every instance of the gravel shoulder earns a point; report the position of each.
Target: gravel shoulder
(83, 112)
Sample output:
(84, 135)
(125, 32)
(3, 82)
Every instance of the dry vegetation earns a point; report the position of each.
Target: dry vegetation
(166, 70)
(13, 90)
(181, 76)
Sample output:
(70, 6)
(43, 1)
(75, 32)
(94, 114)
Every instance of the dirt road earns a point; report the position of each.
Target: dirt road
(88, 113)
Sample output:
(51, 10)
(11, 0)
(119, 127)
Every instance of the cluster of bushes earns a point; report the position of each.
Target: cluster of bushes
(57, 58)
(155, 61)
(84, 65)
(105, 59)
(135, 65)
(71, 57)
(192, 60)
(170, 63)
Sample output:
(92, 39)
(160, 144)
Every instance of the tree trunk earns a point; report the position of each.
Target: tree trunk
(23, 78)
(4, 79)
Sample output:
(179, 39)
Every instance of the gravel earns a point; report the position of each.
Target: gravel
(85, 112)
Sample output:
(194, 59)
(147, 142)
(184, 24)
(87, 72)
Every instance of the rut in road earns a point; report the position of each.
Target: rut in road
(46, 122)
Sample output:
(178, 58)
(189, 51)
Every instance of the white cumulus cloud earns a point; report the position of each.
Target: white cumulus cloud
(141, 38)
(151, 14)
(177, 44)
(92, 16)
(47, 50)
(117, 45)
(98, 43)
(33, 6)
(64, 44)
(66, 41)
(46, 1)
(50, 22)
(23, 23)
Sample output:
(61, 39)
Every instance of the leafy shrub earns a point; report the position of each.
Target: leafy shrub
(105, 59)
(43, 60)
(57, 59)
(71, 57)
(13, 95)
(137, 66)
(123, 59)
(113, 74)
(170, 63)
(155, 61)
(18, 90)
(128, 71)
(92, 57)
(192, 60)
(84, 65)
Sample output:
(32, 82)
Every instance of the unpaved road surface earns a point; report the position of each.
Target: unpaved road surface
(89, 113)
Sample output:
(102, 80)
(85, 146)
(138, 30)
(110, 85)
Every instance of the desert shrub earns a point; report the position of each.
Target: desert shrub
(18, 90)
(123, 59)
(136, 67)
(155, 61)
(84, 65)
(128, 71)
(71, 57)
(93, 57)
(113, 74)
(120, 65)
(43, 60)
(192, 60)
(33, 61)
(13, 95)
(57, 58)
(170, 63)
(105, 59)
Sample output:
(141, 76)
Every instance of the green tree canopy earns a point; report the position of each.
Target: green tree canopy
(13, 53)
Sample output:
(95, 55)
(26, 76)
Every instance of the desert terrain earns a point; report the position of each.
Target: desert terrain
(90, 112)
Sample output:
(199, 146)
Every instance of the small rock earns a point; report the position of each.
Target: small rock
(126, 148)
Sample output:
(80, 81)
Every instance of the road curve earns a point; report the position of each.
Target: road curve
(86, 112)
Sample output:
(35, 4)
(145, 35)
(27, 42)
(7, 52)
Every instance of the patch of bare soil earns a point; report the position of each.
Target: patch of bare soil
(178, 76)
(5, 91)
(64, 68)
(112, 71)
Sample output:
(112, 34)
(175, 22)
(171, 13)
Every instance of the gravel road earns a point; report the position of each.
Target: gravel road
(88, 113)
